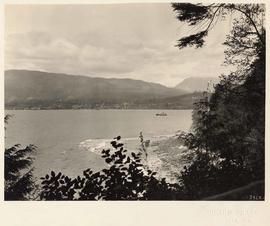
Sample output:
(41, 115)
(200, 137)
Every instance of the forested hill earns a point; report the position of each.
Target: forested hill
(197, 84)
(41, 90)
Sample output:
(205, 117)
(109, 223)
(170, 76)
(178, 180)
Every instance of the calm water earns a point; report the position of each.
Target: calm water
(68, 140)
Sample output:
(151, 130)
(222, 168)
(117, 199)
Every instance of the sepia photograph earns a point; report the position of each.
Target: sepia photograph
(134, 101)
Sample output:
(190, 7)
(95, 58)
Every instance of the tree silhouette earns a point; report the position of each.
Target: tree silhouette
(126, 178)
(228, 128)
(247, 28)
(18, 171)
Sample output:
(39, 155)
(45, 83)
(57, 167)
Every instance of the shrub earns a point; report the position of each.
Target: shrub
(18, 172)
(126, 178)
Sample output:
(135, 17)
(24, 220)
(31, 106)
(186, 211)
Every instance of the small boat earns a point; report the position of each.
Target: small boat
(161, 114)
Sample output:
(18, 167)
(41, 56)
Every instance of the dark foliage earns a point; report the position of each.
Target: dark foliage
(7, 117)
(191, 13)
(245, 29)
(18, 172)
(196, 40)
(209, 175)
(126, 179)
(227, 135)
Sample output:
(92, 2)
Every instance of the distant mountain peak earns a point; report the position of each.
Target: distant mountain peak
(197, 84)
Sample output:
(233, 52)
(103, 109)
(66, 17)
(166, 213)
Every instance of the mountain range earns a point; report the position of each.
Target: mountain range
(197, 84)
(26, 89)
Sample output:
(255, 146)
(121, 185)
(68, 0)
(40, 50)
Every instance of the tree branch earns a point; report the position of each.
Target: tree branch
(218, 7)
(253, 24)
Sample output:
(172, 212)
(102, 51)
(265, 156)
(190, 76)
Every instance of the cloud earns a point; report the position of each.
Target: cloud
(107, 41)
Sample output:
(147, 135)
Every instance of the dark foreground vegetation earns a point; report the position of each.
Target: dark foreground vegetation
(226, 139)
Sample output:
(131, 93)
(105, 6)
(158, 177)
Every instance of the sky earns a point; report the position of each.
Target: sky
(114, 41)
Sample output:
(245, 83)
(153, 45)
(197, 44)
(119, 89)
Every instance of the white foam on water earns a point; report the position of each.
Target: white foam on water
(130, 138)
(98, 144)
(95, 145)
(154, 161)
